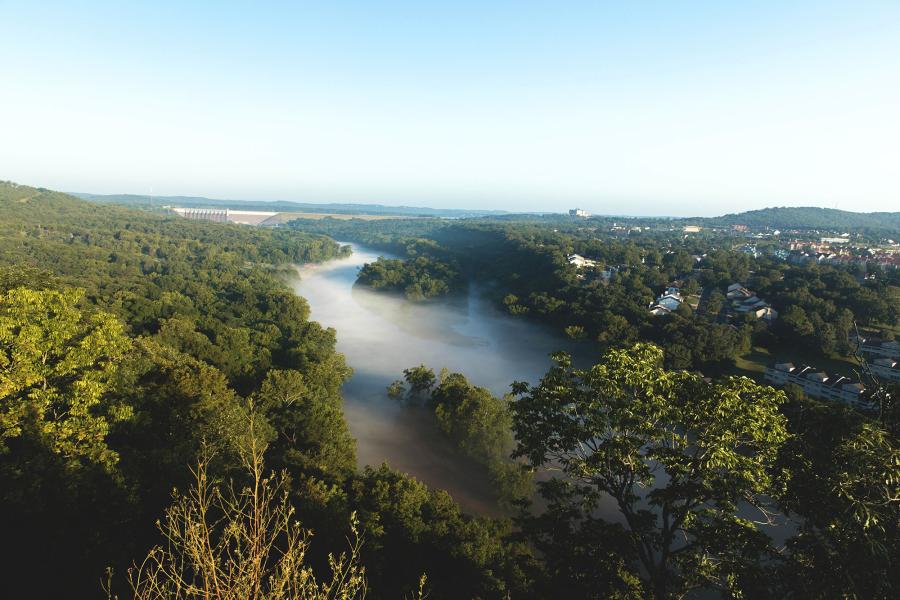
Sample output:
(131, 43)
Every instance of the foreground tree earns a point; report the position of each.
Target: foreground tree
(59, 367)
(61, 493)
(225, 544)
(676, 453)
(842, 476)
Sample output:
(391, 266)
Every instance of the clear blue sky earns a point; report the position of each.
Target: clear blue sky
(621, 108)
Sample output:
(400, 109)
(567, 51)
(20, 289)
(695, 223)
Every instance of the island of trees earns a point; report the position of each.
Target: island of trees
(418, 278)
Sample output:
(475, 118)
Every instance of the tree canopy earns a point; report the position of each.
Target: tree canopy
(676, 453)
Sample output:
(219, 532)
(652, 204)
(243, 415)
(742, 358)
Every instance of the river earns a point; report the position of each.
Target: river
(380, 334)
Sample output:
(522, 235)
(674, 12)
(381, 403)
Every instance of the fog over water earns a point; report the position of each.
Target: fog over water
(381, 334)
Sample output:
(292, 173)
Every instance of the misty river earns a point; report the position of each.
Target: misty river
(380, 334)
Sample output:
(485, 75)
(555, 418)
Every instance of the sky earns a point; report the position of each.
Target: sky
(640, 108)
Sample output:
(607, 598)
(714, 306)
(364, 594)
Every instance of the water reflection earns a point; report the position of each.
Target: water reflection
(381, 334)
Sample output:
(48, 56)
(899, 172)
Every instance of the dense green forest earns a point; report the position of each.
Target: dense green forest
(524, 263)
(133, 346)
(166, 402)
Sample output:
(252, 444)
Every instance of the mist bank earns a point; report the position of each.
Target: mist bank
(382, 334)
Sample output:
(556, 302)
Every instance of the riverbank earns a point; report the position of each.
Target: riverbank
(382, 334)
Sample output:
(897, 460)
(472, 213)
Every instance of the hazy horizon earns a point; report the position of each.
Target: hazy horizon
(677, 110)
(444, 207)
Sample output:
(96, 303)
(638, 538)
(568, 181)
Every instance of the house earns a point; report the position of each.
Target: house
(886, 368)
(691, 229)
(666, 303)
(798, 257)
(607, 273)
(766, 313)
(669, 301)
(749, 249)
(876, 347)
(819, 384)
(740, 293)
(780, 253)
(744, 301)
(577, 212)
(580, 262)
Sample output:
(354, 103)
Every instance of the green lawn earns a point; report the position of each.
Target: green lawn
(884, 326)
(754, 363)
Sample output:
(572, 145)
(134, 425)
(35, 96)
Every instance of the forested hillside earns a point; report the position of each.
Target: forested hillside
(131, 347)
(808, 217)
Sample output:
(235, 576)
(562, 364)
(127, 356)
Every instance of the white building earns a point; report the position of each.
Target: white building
(766, 313)
(819, 384)
(577, 212)
(876, 347)
(749, 249)
(737, 291)
(670, 301)
(746, 301)
(580, 262)
(225, 215)
(666, 303)
(886, 368)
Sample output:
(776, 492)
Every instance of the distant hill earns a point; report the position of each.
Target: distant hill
(16, 198)
(806, 217)
(783, 217)
(283, 206)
